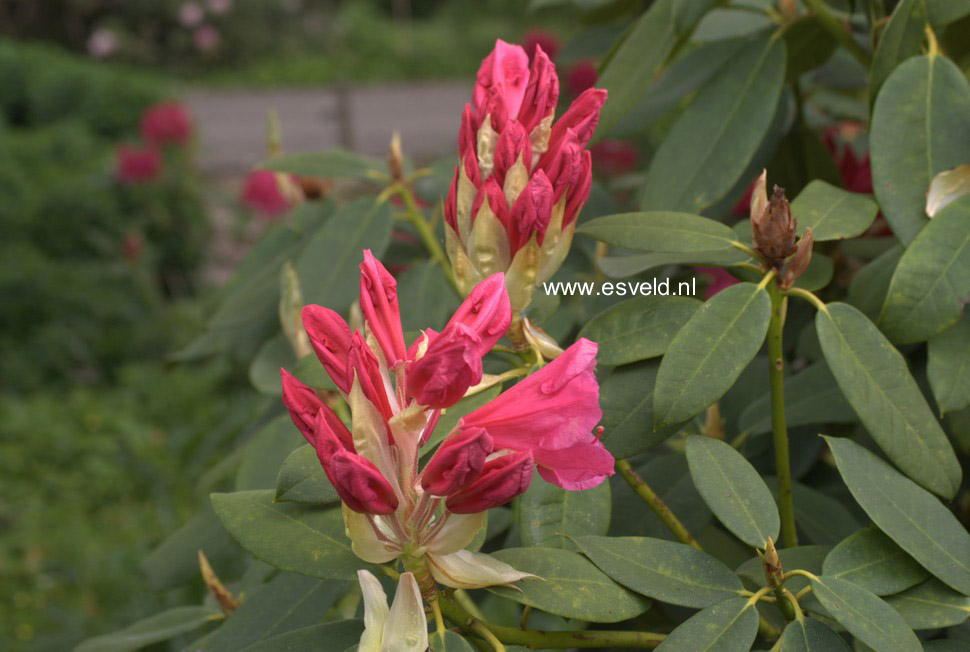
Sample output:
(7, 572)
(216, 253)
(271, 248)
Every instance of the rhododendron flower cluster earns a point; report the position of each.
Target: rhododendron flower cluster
(393, 505)
(522, 179)
(270, 194)
(165, 123)
(137, 164)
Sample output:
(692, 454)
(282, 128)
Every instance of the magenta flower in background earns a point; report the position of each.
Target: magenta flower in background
(191, 14)
(261, 193)
(102, 43)
(541, 39)
(218, 7)
(166, 123)
(137, 164)
(614, 156)
(719, 279)
(206, 38)
(582, 75)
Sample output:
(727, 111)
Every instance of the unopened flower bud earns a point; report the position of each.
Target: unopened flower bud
(799, 262)
(452, 364)
(330, 339)
(774, 576)
(360, 485)
(501, 480)
(395, 158)
(378, 302)
(457, 462)
(773, 232)
(362, 363)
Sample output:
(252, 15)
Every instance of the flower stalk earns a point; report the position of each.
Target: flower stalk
(656, 504)
(779, 429)
(425, 232)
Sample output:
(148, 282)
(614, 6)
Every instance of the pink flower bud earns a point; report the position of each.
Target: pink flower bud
(487, 311)
(360, 485)
(581, 116)
(166, 122)
(310, 415)
(137, 164)
(513, 145)
(579, 193)
(531, 212)
(261, 193)
(563, 165)
(467, 131)
(451, 201)
(542, 92)
(492, 191)
(378, 302)
(452, 364)
(330, 338)
(501, 480)
(457, 462)
(361, 361)
(503, 75)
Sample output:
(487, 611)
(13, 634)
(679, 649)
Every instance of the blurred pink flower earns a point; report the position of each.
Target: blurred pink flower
(614, 156)
(131, 246)
(137, 164)
(218, 7)
(102, 43)
(720, 279)
(166, 122)
(206, 38)
(581, 76)
(541, 38)
(191, 14)
(261, 193)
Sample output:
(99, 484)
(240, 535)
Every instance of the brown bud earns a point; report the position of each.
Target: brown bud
(314, 188)
(773, 232)
(227, 601)
(395, 158)
(772, 565)
(799, 262)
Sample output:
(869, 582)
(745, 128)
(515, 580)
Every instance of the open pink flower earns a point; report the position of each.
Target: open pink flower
(137, 164)
(166, 122)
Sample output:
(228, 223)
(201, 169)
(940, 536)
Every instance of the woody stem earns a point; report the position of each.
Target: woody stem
(779, 429)
(425, 232)
(655, 503)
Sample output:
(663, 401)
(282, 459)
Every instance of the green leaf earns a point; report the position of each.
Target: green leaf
(328, 266)
(285, 603)
(807, 558)
(626, 398)
(635, 63)
(332, 164)
(811, 396)
(709, 353)
(868, 288)
(931, 605)
(932, 280)
(821, 518)
(818, 274)
(874, 378)
(919, 129)
(175, 561)
(832, 213)
(289, 536)
(311, 373)
(948, 367)
(944, 12)
(871, 560)
(866, 617)
(339, 635)
(809, 45)
(628, 265)
(302, 479)
(571, 586)
(426, 297)
(449, 642)
(662, 232)
(727, 626)
(664, 570)
(264, 370)
(711, 144)
(900, 40)
(810, 635)
(906, 513)
(733, 490)
(265, 451)
(548, 514)
(638, 328)
(154, 629)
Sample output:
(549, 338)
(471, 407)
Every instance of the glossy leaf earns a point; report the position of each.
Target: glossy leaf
(339, 635)
(901, 39)
(358, 225)
(264, 370)
(932, 280)
(868, 288)
(727, 626)
(709, 353)
(626, 398)
(664, 570)
(919, 128)
(822, 518)
(733, 490)
(638, 328)
(302, 479)
(426, 299)
(866, 617)
(333, 164)
(289, 536)
(310, 372)
(175, 561)
(931, 605)
(661, 232)
(571, 586)
(875, 379)
(549, 516)
(153, 629)
(948, 366)
(810, 635)
(871, 560)
(449, 642)
(832, 213)
(628, 265)
(809, 45)
(265, 451)
(909, 515)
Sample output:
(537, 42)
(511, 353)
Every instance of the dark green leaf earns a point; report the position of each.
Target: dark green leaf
(809, 635)
(871, 560)
(832, 213)
(944, 12)
(931, 605)
(901, 39)
(628, 265)
(709, 147)
(866, 617)
(949, 366)
(626, 398)
(175, 561)
(264, 370)
(727, 626)
(571, 586)
(868, 288)
(289, 536)
(639, 328)
(908, 514)
(265, 451)
(310, 372)
(661, 232)
(664, 570)
(809, 45)
(338, 635)
(154, 629)
(818, 274)
(919, 129)
(709, 353)
(874, 378)
(932, 280)
(332, 164)
(548, 514)
(425, 297)
(733, 490)
(449, 642)
(302, 479)
(822, 518)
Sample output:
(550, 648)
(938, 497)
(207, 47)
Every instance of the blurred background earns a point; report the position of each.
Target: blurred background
(129, 130)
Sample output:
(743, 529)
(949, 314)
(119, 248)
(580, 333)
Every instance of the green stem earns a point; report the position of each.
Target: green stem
(807, 296)
(425, 232)
(655, 503)
(546, 639)
(838, 30)
(779, 430)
